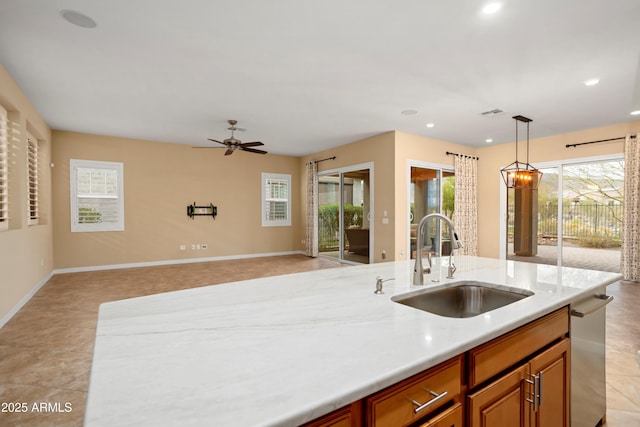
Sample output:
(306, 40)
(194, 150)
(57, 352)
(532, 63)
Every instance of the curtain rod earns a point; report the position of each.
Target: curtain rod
(449, 153)
(322, 160)
(596, 142)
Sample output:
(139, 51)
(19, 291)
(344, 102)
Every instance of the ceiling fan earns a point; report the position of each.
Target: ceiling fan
(234, 144)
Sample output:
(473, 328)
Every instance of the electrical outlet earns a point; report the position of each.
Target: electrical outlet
(193, 247)
(384, 254)
(183, 247)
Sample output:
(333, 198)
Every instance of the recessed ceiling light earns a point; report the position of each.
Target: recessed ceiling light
(430, 125)
(491, 8)
(488, 140)
(635, 113)
(78, 19)
(592, 82)
(408, 112)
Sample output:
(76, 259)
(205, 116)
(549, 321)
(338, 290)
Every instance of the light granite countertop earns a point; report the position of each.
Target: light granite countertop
(284, 350)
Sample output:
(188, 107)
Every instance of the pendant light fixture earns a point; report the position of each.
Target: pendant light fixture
(520, 175)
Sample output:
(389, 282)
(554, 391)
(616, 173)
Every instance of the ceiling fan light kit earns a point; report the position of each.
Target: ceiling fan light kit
(233, 144)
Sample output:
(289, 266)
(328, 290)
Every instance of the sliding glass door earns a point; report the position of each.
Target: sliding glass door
(579, 216)
(431, 190)
(344, 214)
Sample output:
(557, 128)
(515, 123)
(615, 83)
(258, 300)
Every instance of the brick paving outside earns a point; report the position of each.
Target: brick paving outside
(592, 259)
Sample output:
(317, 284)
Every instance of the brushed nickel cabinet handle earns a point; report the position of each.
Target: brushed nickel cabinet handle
(535, 396)
(437, 397)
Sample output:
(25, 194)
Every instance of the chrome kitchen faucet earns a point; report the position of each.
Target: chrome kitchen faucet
(419, 270)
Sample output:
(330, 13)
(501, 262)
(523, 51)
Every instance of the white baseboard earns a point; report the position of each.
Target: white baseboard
(171, 262)
(24, 300)
(36, 288)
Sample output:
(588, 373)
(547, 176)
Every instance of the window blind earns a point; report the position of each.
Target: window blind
(97, 198)
(276, 199)
(33, 168)
(4, 169)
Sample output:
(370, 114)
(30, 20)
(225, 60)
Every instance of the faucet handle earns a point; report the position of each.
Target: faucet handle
(452, 269)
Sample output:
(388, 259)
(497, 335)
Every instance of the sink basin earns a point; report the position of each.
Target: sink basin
(462, 299)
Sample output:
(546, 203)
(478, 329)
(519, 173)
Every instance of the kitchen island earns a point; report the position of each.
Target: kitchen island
(288, 349)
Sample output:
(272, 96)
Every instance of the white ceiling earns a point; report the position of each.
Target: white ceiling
(305, 75)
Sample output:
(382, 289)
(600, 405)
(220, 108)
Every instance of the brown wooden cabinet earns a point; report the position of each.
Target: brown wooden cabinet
(348, 416)
(501, 403)
(414, 398)
(535, 394)
(553, 368)
(518, 379)
(452, 417)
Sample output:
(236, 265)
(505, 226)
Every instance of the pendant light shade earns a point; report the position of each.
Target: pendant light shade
(521, 175)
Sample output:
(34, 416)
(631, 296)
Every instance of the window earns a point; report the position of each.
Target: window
(276, 199)
(97, 196)
(4, 170)
(33, 166)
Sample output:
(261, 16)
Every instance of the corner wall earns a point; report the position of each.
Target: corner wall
(160, 180)
(411, 147)
(26, 251)
(378, 150)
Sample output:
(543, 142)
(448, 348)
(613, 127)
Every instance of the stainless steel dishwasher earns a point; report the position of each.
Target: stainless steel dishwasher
(588, 377)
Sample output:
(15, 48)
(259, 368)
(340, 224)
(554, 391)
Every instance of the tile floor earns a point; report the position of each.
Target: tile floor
(46, 349)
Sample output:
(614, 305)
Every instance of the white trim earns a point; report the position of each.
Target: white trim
(171, 262)
(25, 299)
(559, 164)
(352, 168)
(35, 289)
(275, 223)
(502, 218)
(423, 165)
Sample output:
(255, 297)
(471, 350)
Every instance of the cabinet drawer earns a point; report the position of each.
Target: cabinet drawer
(493, 357)
(349, 416)
(415, 397)
(452, 417)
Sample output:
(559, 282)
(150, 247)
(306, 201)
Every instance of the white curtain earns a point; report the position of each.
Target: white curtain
(312, 209)
(630, 257)
(465, 210)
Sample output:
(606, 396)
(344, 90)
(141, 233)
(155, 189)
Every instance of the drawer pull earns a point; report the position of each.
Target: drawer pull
(436, 397)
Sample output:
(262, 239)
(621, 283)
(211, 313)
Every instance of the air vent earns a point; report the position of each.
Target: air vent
(493, 112)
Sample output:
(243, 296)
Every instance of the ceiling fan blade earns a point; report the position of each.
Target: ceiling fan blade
(228, 152)
(251, 144)
(214, 140)
(202, 146)
(253, 150)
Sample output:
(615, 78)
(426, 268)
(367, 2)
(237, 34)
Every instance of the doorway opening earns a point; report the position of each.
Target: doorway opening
(431, 190)
(344, 215)
(578, 215)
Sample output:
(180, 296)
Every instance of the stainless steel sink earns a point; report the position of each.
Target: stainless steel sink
(462, 299)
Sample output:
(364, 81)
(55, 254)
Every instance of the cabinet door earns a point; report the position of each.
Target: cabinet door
(503, 402)
(553, 369)
(452, 417)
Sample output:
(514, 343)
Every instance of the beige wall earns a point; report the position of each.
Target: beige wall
(378, 150)
(26, 251)
(390, 153)
(160, 180)
(418, 149)
(493, 158)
